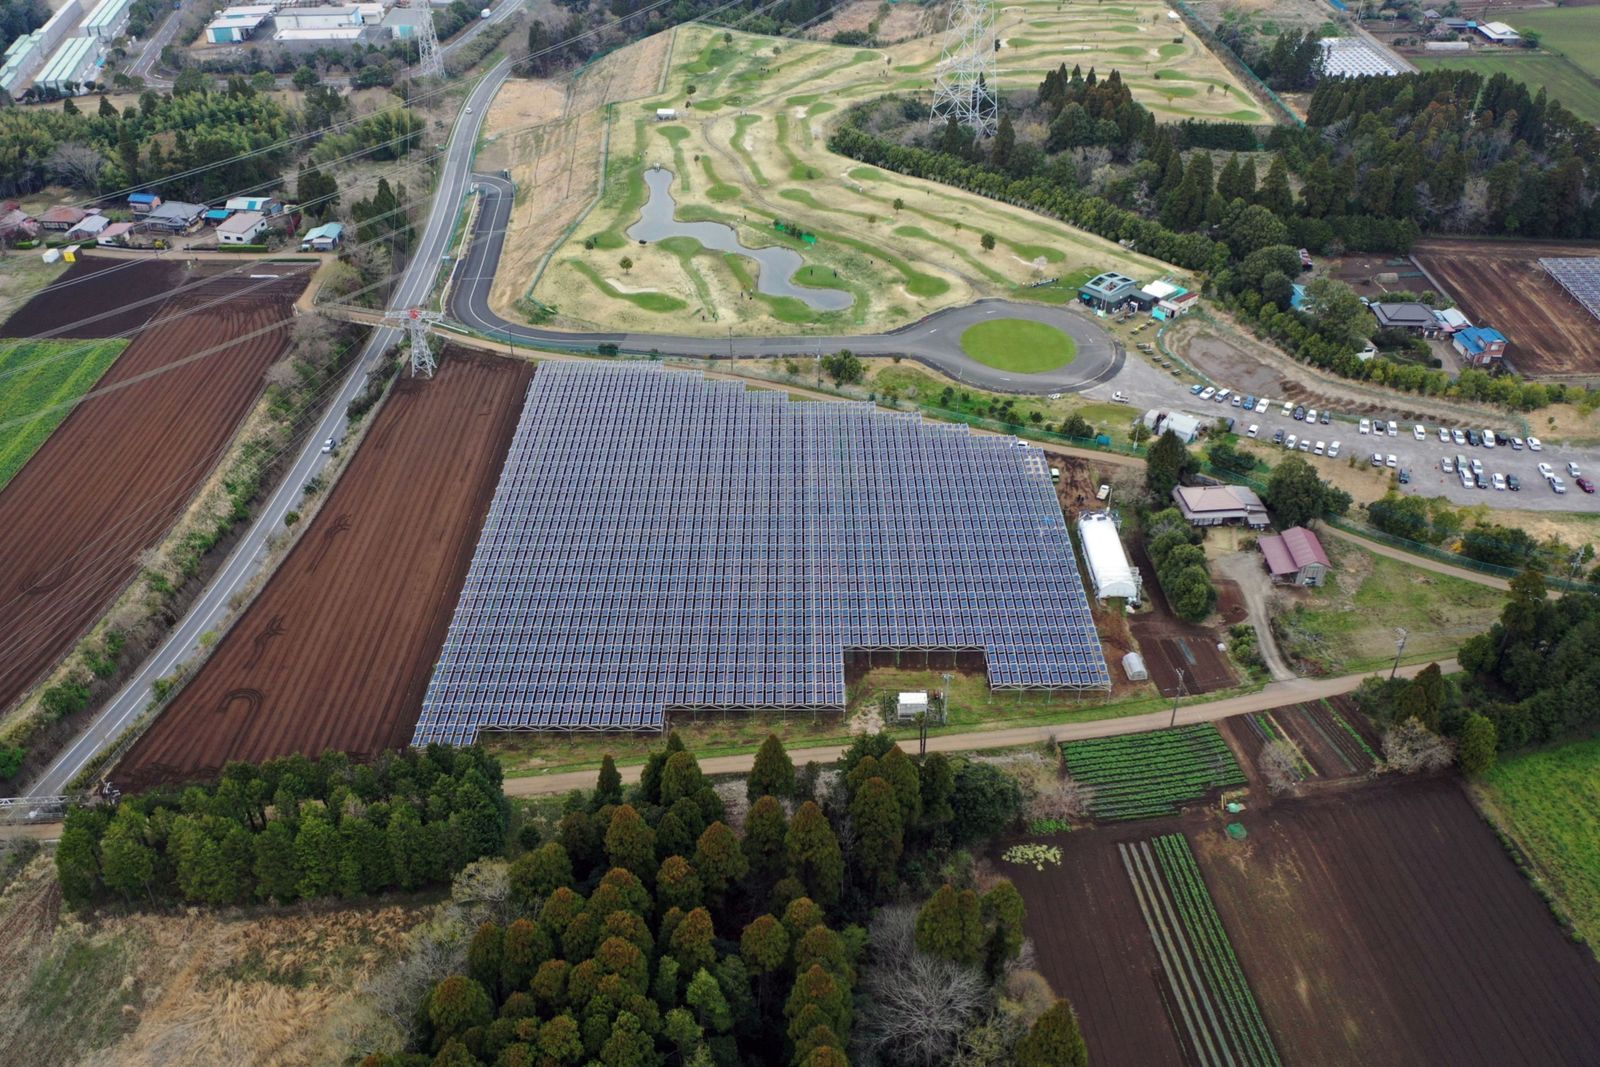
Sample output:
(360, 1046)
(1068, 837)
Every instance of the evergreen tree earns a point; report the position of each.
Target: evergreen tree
(127, 861)
(678, 884)
(764, 945)
(764, 828)
(691, 942)
(950, 926)
(710, 1006)
(630, 843)
(317, 192)
(650, 778)
(1054, 1041)
(1167, 464)
(814, 854)
(526, 945)
(609, 788)
(938, 781)
(535, 875)
(773, 772)
(680, 778)
(1003, 912)
(1274, 194)
(276, 876)
(1477, 745)
(1005, 142)
(719, 861)
(316, 855)
(486, 957)
(901, 774)
(408, 847)
(456, 1005)
(880, 834)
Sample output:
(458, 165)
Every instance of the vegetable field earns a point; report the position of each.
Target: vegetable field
(1140, 776)
(1329, 738)
(1220, 1020)
(39, 383)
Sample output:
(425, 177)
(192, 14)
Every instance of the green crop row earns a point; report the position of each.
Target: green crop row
(1141, 775)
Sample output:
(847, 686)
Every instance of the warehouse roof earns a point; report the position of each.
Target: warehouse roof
(1291, 551)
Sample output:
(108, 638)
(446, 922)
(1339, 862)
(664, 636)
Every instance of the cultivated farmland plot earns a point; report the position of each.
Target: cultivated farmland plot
(1326, 736)
(1218, 1014)
(1140, 776)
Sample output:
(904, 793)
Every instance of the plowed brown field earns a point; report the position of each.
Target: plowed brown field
(115, 475)
(337, 650)
(98, 298)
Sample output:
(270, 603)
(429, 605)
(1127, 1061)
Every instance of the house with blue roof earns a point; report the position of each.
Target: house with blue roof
(1480, 346)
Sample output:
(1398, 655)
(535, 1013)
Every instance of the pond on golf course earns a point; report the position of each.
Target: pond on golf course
(658, 219)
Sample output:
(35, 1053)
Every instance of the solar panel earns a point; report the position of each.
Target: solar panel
(1580, 277)
(1352, 57)
(659, 541)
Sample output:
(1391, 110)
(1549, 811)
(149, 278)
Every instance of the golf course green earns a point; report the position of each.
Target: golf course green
(1019, 345)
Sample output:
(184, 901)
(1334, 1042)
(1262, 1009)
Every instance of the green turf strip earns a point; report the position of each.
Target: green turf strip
(1018, 345)
(39, 381)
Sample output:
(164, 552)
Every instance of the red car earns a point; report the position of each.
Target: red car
(1586, 485)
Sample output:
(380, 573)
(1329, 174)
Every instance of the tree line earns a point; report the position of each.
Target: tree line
(645, 930)
(290, 829)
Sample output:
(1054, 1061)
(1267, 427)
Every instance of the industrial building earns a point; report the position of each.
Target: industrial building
(310, 24)
(107, 21)
(61, 25)
(1109, 570)
(75, 62)
(23, 58)
(659, 541)
(238, 23)
(1354, 57)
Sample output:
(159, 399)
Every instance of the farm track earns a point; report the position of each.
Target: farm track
(111, 480)
(337, 650)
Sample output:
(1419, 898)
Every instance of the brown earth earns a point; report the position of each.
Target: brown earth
(98, 297)
(1168, 643)
(118, 471)
(337, 650)
(1500, 284)
(1386, 925)
(1314, 732)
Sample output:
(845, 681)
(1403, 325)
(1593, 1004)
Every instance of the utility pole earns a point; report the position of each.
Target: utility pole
(1400, 633)
(1176, 694)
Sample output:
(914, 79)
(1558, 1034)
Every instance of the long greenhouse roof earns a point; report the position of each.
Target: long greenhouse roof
(658, 541)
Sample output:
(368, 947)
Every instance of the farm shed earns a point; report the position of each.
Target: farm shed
(1220, 505)
(243, 228)
(115, 233)
(174, 216)
(1498, 32)
(1109, 570)
(664, 114)
(1295, 556)
(265, 204)
(143, 203)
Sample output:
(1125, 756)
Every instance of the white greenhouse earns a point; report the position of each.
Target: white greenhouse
(1109, 569)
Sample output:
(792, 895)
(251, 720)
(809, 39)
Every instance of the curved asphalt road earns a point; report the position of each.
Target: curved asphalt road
(934, 340)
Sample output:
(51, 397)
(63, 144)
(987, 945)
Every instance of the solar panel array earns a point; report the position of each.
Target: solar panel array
(1352, 57)
(660, 541)
(1580, 277)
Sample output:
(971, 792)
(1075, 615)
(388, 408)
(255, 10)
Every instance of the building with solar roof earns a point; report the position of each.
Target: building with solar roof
(659, 542)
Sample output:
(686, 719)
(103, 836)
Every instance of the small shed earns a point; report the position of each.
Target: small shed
(1295, 556)
(910, 705)
(324, 238)
(1109, 570)
(1133, 666)
(89, 228)
(116, 233)
(143, 203)
(666, 114)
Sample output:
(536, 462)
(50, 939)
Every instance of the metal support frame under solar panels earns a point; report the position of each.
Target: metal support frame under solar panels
(1579, 276)
(662, 541)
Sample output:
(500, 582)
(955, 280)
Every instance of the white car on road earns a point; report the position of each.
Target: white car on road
(1533, 443)
(1394, 428)
(1418, 432)
(1547, 470)
(1333, 450)
(1366, 426)
(1253, 430)
(1444, 436)
(1390, 461)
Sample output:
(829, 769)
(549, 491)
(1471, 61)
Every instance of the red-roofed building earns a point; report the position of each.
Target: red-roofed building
(62, 217)
(1294, 556)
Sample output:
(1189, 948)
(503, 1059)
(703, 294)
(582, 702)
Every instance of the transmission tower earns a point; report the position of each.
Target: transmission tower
(963, 84)
(418, 325)
(430, 61)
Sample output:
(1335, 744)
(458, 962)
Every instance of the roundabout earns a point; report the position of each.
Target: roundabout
(1022, 348)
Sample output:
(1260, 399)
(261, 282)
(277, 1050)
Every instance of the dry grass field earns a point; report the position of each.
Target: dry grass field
(748, 146)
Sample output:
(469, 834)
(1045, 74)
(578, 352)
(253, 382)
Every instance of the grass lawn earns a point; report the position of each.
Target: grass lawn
(39, 375)
(1572, 31)
(1019, 345)
(1549, 803)
(1348, 625)
(1560, 77)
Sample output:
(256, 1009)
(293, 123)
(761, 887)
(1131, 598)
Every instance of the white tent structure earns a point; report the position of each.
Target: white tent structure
(1109, 569)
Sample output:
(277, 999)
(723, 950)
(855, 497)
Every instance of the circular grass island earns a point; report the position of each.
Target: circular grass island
(1019, 345)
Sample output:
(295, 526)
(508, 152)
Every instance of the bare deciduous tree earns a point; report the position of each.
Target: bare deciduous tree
(1411, 748)
(1064, 798)
(1277, 765)
(76, 164)
(920, 1005)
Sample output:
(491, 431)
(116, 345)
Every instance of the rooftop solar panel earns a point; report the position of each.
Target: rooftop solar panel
(1579, 276)
(659, 541)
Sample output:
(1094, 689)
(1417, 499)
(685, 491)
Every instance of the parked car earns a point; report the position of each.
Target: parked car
(1444, 436)
(1488, 439)
(1547, 470)
(1533, 443)
(1311, 415)
(1473, 439)
(1196, 389)
(1483, 481)
(1377, 459)
(1222, 394)
(1513, 483)
(1333, 450)
(1499, 480)
(1262, 405)
(1558, 486)
(1447, 465)
(1305, 444)
(1586, 485)
(1390, 461)
(1365, 426)
(1394, 428)
(1236, 400)
(1288, 406)
(1299, 413)
(1516, 444)
(1318, 449)
(1418, 433)
(1208, 392)
(1249, 403)
(1477, 466)
(1326, 418)
(1293, 440)
(1251, 432)
(1572, 469)
(1458, 437)
(1277, 438)
(1405, 475)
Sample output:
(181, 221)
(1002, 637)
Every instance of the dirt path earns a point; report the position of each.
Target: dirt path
(1273, 695)
(1378, 548)
(1245, 569)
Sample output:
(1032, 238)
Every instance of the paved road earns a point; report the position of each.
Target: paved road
(934, 340)
(150, 54)
(247, 557)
